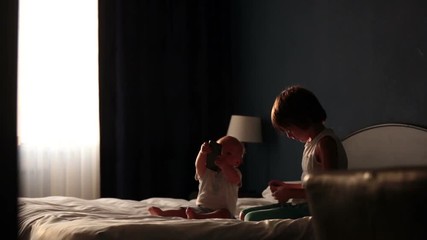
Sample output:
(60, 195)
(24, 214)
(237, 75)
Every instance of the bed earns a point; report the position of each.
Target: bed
(386, 145)
(59, 217)
(70, 218)
(383, 195)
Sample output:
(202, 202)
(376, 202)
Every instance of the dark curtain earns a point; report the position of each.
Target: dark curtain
(165, 80)
(8, 110)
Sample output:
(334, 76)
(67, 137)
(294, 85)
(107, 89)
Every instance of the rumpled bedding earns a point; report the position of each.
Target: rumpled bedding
(70, 218)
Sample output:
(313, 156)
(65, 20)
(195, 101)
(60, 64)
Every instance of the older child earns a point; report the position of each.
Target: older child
(298, 113)
(218, 191)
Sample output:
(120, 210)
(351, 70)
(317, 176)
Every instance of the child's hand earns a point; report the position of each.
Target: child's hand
(205, 148)
(274, 184)
(281, 194)
(221, 163)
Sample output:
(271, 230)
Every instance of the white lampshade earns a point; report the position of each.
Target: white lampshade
(245, 128)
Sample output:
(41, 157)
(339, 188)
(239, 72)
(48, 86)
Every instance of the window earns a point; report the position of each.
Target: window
(58, 116)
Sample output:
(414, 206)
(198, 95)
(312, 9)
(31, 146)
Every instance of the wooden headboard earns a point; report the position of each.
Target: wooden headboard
(386, 145)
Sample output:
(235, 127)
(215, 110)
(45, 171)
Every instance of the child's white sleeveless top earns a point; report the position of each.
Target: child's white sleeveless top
(309, 162)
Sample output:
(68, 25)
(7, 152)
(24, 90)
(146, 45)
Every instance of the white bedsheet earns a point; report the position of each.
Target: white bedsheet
(69, 218)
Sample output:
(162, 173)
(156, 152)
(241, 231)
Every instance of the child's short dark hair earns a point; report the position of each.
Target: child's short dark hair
(296, 106)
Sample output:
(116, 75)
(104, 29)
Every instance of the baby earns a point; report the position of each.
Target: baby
(218, 190)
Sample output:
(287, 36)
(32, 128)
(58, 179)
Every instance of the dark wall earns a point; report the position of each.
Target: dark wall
(365, 60)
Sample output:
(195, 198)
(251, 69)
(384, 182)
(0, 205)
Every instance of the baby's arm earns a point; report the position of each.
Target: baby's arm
(201, 160)
(231, 173)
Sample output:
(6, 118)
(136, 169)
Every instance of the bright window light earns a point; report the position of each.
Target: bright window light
(58, 112)
(58, 72)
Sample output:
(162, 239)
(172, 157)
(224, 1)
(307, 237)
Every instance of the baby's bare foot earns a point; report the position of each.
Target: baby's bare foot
(155, 211)
(190, 213)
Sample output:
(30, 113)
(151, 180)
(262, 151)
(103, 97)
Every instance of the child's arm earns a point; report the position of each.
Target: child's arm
(277, 183)
(231, 173)
(326, 153)
(283, 194)
(282, 191)
(201, 160)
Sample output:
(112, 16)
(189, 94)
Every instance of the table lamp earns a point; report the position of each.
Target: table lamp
(245, 128)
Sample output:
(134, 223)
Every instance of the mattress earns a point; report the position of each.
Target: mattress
(70, 218)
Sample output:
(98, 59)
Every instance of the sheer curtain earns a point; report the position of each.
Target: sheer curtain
(58, 116)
